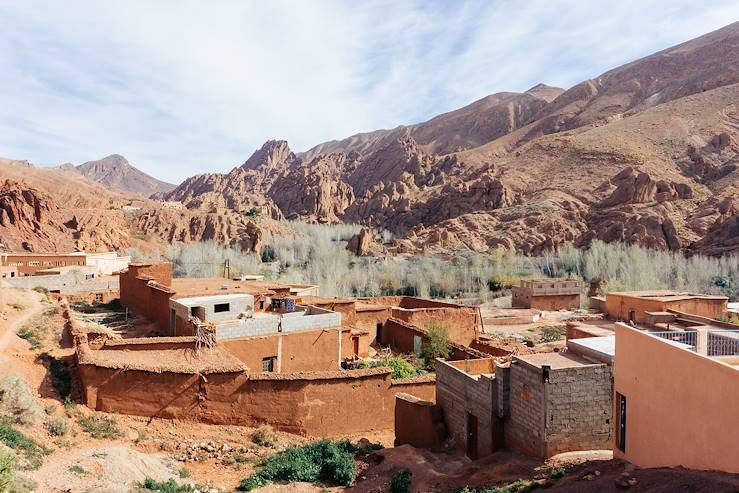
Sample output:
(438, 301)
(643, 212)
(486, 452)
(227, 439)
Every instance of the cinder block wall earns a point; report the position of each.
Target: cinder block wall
(524, 429)
(572, 411)
(579, 405)
(458, 393)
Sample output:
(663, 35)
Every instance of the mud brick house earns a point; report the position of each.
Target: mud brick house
(651, 307)
(676, 402)
(547, 294)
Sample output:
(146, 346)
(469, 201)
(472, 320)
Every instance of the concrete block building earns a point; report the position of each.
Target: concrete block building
(539, 404)
(547, 294)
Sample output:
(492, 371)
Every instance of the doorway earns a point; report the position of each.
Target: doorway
(621, 420)
(471, 436)
(355, 346)
(173, 321)
(632, 317)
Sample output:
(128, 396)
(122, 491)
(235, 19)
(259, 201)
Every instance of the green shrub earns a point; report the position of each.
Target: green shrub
(99, 426)
(17, 403)
(401, 368)
(184, 473)
(169, 486)
(42, 290)
(7, 470)
(401, 482)
(78, 470)
(32, 451)
(264, 436)
(58, 426)
(30, 334)
(316, 462)
(436, 345)
(558, 474)
(551, 333)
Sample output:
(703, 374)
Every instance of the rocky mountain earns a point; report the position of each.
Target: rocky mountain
(646, 153)
(115, 171)
(58, 210)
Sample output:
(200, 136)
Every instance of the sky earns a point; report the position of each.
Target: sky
(184, 87)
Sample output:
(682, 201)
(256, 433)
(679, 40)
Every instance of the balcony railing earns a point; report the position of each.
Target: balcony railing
(723, 343)
(685, 340)
(711, 343)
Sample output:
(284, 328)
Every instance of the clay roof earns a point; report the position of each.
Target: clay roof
(667, 295)
(180, 360)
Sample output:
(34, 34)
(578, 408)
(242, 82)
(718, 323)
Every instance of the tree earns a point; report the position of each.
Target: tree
(436, 345)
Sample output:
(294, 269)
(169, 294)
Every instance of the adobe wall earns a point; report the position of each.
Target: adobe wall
(572, 411)
(418, 422)
(708, 308)
(459, 393)
(140, 298)
(43, 261)
(314, 404)
(619, 306)
(681, 408)
(299, 351)
(524, 298)
(400, 335)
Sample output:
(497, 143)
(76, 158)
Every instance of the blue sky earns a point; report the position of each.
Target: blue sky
(186, 87)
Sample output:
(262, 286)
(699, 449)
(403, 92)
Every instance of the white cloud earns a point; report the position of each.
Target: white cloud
(184, 87)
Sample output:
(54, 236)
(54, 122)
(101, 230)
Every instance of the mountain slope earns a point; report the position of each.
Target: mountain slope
(646, 153)
(116, 172)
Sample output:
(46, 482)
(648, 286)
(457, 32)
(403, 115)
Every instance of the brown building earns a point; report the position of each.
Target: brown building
(547, 294)
(646, 307)
(28, 264)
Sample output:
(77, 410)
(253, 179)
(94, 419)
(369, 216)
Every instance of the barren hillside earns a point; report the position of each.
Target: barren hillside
(645, 153)
(115, 171)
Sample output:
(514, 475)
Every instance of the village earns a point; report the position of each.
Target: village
(643, 377)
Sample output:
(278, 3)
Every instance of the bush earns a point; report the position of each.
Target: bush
(58, 426)
(42, 290)
(401, 368)
(7, 470)
(32, 451)
(99, 426)
(184, 473)
(401, 482)
(436, 345)
(169, 486)
(316, 462)
(78, 470)
(29, 334)
(264, 436)
(551, 333)
(17, 403)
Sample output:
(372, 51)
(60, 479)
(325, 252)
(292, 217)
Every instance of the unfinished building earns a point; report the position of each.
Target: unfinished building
(547, 294)
(538, 404)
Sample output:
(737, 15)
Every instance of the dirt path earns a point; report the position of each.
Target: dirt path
(9, 329)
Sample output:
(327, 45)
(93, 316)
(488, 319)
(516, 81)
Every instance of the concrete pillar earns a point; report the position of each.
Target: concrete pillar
(279, 353)
(701, 342)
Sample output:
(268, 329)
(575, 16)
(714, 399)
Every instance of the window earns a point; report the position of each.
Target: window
(99, 297)
(222, 307)
(268, 364)
(621, 420)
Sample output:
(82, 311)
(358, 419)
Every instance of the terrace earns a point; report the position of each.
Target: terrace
(721, 345)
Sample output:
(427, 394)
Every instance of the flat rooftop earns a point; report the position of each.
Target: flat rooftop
(180, 360)
(666, 295)
(199, 300)
(200, 286)
(556, 361)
